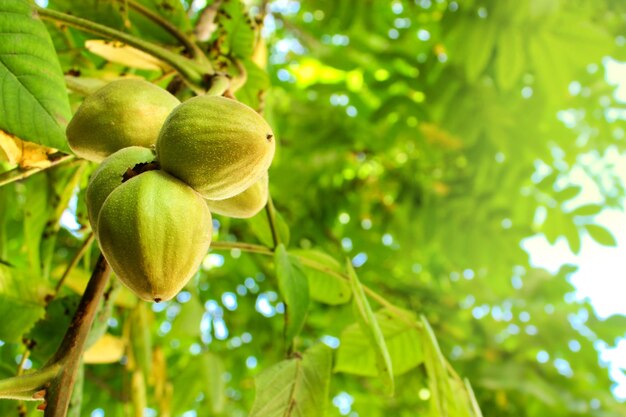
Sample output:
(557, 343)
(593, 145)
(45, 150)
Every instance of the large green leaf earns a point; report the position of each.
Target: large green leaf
(369, 325)
(482, 37)
(261, 228)
(187, 322)
(357, 356)
(510, 60)
(237, 27)
(45, 334)
(33, 98)
(257, 83)
(140, 338)
(323, 286)
(294, 288)
(203, 374)
(296, 387)
(214, 383)
(601, 235)
(19, 305)
(436, 370)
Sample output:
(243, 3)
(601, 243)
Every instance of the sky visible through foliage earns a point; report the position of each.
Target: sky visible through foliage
(600, 277)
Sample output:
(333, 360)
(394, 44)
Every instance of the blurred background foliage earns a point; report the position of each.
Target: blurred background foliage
(432, 137)
(424, 140)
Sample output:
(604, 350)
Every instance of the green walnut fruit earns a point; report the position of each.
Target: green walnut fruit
(123, 113)
(154, 231)
(111, 174)
(244, 205)
(218, 146)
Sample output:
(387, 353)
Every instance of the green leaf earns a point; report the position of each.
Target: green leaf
(472, 399)
(141, 338)
(369, 325)
(46, 333)
(601, 235)
(357, 356)
(294, 288)
(323, 286)
(436, 370)
(34, 99)
(510, 60)
(480, 41)
(296, 387)
(19, 304)
(261, 228)
(187, 322)
(213, 379)
(568, 193)
(237, 27)
(23, 316)
(256, 83)
(551, 67)
(587, 210)
(201, 374)
(571, 234)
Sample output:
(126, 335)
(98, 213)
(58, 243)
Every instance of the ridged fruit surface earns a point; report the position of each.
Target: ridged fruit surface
(123, 113)
(109, 175)
(218, 146)
(154, 231)
(244, 205)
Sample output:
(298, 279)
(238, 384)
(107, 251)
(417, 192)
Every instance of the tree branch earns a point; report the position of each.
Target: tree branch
(194, 72)
(70, 352)
(18, 174)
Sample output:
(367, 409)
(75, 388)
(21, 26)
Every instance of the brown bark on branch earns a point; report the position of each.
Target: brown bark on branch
(70, 352)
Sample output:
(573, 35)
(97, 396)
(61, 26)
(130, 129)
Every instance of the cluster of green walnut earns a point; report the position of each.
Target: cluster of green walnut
(165, 166)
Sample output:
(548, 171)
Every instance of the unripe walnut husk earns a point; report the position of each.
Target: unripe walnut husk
(123, 113)
(218, 146)
(244, 205)
(111, 174)
(154, 231)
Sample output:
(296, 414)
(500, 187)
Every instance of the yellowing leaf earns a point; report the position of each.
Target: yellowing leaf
(259, 56)
(108, 349)
(10, 147)
(25, 154)
(123, 54)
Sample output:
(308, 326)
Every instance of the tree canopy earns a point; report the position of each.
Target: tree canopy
(418, 144)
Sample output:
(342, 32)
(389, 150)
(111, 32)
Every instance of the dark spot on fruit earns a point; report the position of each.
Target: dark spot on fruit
(269, 137)
(156, 300)
(140, 168)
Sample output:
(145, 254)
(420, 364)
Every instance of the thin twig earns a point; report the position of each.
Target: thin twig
(77, 257)
(25, 356)
(246, 247)
(173, 30)
(219, 84)
(271, 219)
(18, 174)
(263, 250)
